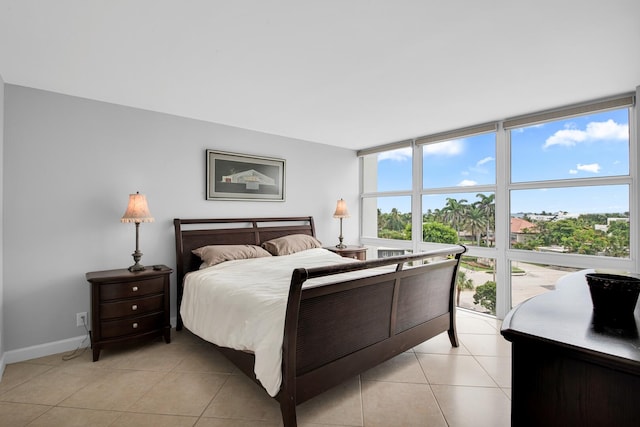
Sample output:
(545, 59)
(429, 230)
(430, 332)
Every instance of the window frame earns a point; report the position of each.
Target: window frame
(502, 252)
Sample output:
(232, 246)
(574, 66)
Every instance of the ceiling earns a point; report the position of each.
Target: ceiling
(350, 73)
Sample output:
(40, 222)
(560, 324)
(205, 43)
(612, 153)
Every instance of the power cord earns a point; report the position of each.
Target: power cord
(80, 349)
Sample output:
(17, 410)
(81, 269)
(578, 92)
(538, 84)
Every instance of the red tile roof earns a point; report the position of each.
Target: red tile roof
(519, 225)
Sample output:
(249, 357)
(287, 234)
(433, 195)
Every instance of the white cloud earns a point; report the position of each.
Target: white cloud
(593, 167)
(608, 130)
(573, 171)
(399, 155)
(566, 137)
(595, 131)
(485, 160)
(467, 183)
(447, 148)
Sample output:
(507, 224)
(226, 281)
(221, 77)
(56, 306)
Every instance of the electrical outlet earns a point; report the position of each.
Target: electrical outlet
(81, 319)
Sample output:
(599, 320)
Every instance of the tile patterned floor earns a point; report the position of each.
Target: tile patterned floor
(187, 383)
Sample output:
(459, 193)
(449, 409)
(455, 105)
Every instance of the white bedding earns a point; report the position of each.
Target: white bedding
(241, 304)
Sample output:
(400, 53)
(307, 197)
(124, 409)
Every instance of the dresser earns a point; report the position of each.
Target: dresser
(568, 368)
(128, 306)
(355, 252)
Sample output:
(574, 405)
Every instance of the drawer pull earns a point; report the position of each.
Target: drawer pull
(135, 326)
(134, 289)
(134, 307)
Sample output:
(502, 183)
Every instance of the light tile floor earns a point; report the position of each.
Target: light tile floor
(187, 383)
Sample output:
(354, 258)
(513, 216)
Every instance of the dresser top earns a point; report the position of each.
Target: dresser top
(564, 317)
(124, 273)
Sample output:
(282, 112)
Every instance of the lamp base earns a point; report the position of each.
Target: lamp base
(341, 245)
(137, 255)
(137, 267)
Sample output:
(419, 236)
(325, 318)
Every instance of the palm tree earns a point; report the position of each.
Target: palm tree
(462, 283)
(394, 221)
(488, 208)
(454, 212)
(475, 222)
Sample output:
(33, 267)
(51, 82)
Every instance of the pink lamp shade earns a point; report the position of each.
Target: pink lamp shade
(341, 210)
(137, 210)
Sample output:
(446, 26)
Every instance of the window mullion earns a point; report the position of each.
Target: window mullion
(634, 187)
(416, 198)
(502, 222)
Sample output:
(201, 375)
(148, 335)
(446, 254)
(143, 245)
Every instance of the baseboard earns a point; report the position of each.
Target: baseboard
(2, 366)
(46, 349)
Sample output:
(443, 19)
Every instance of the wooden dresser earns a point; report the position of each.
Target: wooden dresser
(568, 368)
(128, 306)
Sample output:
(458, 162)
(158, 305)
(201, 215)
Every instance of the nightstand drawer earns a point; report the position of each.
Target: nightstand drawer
(134, 325)
(132, 307)
(134, 288)
(129, 306)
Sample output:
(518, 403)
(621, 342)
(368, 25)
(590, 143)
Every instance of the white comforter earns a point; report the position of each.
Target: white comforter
(241, 304)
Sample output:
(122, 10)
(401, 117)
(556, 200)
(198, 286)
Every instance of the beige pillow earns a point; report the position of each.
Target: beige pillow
(215, 254)
(291, 244)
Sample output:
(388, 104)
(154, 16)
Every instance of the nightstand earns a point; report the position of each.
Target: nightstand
(127, 306)
(355, 252)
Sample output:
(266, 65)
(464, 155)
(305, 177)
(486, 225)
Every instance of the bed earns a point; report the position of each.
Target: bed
(349, 317)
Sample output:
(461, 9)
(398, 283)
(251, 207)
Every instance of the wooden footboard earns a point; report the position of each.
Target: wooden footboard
(337, 331)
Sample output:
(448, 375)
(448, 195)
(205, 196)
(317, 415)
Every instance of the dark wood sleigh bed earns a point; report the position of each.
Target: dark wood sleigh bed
(380, 316)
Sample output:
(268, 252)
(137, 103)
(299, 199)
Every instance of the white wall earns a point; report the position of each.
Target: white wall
(2, 362)
(70, 165)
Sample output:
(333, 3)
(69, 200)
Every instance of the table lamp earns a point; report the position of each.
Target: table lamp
(341, 212)
(137, 212)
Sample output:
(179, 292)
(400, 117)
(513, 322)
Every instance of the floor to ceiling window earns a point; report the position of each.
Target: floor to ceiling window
(458, 206)
(532, 198)
(387, 176)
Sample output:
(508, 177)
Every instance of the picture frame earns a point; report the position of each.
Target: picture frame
(233, 176)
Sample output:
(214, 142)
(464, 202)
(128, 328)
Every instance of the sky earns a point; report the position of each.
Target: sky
(595, 145)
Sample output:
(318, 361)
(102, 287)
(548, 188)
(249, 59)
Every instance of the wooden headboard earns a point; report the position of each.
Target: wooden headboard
(191, 234)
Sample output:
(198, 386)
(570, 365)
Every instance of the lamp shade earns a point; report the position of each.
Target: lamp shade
(137, 210)
(341, 210)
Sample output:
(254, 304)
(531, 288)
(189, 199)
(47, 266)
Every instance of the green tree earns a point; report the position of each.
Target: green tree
(486, 296)
(487, 206)
(585, 241)
(462, 283)
(393, 234)
(438, 233)
(475, 222)
(454, 212)
(392, 225)
(394, 221)
(618, 239)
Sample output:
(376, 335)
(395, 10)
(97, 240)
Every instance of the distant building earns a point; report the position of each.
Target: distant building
(522, 230)
(554, 248)
(605, 227)
(389, 252)
(553, 217)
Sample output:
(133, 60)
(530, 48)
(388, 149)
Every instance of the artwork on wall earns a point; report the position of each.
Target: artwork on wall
(232, 176)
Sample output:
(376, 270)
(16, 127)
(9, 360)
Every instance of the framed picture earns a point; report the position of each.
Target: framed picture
(232, 176)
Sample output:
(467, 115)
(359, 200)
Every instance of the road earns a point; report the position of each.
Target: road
(536, 280)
